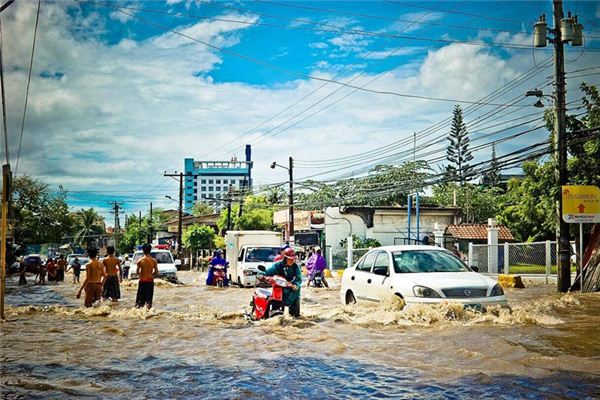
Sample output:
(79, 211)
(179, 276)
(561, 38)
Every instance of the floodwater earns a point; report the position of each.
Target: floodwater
(195, 343)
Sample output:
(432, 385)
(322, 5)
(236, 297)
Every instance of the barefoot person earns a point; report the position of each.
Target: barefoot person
(62, 267)
(111, 283)
(94, 274)
(147, 269)
(76, 267)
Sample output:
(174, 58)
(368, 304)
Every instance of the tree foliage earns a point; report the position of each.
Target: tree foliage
(137, 231)
(200, 209)
(492, 177)
(196, 237)
(360, 243)
(457, 152)
(39, 215)
(477, 203)
(88, 224)
(257, 214)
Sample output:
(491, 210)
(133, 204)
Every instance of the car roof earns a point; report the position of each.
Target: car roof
(409, 247)
(153, 251)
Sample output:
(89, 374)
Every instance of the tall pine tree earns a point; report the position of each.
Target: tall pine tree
(457, 152)
(492, 177)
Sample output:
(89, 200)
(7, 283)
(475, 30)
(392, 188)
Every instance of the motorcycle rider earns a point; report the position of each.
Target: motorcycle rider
(217, 259)
(292, 272)
(316, 264)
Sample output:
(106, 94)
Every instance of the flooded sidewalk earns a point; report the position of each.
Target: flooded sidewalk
(196, 343)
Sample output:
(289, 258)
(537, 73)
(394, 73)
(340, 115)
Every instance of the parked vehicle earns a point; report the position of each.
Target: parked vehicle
(83, 260)
(246, 250)
(33, 263)
(167, 266)
(267, 303)
(417, 274)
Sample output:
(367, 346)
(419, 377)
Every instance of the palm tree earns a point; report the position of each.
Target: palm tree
(88, 222)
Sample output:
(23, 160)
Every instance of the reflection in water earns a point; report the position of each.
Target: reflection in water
(196, 343)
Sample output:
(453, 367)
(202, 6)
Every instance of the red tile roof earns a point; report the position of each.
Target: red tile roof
(477, 232)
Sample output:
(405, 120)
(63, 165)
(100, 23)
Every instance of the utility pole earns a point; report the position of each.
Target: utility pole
(291, 199)
(140, 226)
(180, 222)
(115, 206)
(566, 30)
(151, 233)
(564, 267)
(228, 211)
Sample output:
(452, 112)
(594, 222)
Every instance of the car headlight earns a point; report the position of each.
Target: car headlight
(248, 272)
(496, 291)
(423, 291)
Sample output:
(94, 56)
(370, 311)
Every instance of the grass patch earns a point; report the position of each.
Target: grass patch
(535, 269)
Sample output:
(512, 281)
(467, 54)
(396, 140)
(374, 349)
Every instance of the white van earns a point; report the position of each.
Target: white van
(167, 266)
(246, 250)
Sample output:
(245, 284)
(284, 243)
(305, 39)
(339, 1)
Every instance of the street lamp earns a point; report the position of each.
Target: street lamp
(290, 170)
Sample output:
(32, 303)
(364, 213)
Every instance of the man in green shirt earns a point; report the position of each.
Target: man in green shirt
(292, 272)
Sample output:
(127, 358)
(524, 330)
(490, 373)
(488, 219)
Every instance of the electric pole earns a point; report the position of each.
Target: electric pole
(180, 222)
(140, 226)
(291, 199)
(151, 233)
(566, 30)
(116, 205)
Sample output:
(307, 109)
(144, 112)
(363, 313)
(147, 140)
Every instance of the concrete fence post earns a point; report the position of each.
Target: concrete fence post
(548, 259)
(506, 259)
(350, 251)
(330, 257)
(470, 259)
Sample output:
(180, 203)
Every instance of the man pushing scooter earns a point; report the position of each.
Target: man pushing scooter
(292, 272)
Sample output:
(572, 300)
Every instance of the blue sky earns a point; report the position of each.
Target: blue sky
(117, 99)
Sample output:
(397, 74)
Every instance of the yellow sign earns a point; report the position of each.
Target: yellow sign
(581, 204)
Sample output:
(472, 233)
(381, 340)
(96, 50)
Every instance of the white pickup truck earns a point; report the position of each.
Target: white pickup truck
(167, 266)
(246, 250)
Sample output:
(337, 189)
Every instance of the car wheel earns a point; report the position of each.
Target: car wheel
(350, 299)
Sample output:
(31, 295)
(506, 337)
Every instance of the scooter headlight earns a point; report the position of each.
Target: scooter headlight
(423, 291)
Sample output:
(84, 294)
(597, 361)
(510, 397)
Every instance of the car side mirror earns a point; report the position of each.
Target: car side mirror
(178, 262)
(475, 269)
(261, 268)
(240, 258)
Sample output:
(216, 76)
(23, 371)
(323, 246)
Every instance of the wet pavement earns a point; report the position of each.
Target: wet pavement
(196, 343)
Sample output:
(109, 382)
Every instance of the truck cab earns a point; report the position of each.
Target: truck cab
(247, 250)
(167, 266)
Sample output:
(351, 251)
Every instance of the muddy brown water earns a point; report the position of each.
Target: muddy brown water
(196, 343)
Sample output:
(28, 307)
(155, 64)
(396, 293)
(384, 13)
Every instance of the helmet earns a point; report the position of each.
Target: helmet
(289, 253)
(285, 246)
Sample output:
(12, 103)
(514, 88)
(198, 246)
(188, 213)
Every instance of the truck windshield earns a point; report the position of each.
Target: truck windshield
(261, 254)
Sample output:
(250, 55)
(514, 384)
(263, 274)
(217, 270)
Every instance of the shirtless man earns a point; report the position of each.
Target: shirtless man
(94, 274)
(62, 267)
(147, 269)
(111, 282)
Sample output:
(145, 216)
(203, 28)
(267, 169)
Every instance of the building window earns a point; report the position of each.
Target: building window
(203, 181)
(218, 181)
(195, 198)
(225, 181)
(210, 181)
(203, 196)
(203, 189)
(210, 188)
(195, 183)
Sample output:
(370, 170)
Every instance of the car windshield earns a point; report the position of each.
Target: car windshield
(162, 257)
(414, 261)
(80, 260)
(261, 254)
(33, 260)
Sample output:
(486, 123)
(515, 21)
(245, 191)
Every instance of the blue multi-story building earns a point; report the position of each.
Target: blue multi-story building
(206, 181)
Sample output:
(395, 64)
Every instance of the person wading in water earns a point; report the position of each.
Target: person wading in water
(147, 269)
(111, 283)
(94, 275)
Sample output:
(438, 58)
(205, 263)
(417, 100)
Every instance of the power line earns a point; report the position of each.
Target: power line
(37, 18)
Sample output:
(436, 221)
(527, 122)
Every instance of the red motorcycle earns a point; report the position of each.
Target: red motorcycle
(267, 303)
(219, 276)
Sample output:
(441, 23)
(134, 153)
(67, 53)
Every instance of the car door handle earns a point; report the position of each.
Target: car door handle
(368, 280)
(352, 278)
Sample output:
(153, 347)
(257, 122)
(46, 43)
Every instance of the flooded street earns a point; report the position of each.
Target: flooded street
(197, 344)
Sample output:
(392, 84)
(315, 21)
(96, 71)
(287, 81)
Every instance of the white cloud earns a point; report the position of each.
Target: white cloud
(122, 114)
(419, 19)
(318, 45)
(122, 17)
(391, 52)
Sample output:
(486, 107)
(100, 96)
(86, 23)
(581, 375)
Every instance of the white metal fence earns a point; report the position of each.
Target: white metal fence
(536, 258)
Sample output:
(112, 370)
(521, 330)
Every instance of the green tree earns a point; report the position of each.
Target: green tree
(137, 231)
(492, 177)
(196, 237)
(257, 215)
(39, 215)
(200, 209)
(477, 203)
(88, 224)
(457, 152)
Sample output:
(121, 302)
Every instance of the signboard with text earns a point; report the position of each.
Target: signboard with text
(581, 204)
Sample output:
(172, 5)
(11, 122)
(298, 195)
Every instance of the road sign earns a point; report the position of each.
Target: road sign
(581, 204)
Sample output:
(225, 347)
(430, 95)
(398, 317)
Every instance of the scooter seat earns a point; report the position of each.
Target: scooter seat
(262, 293)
